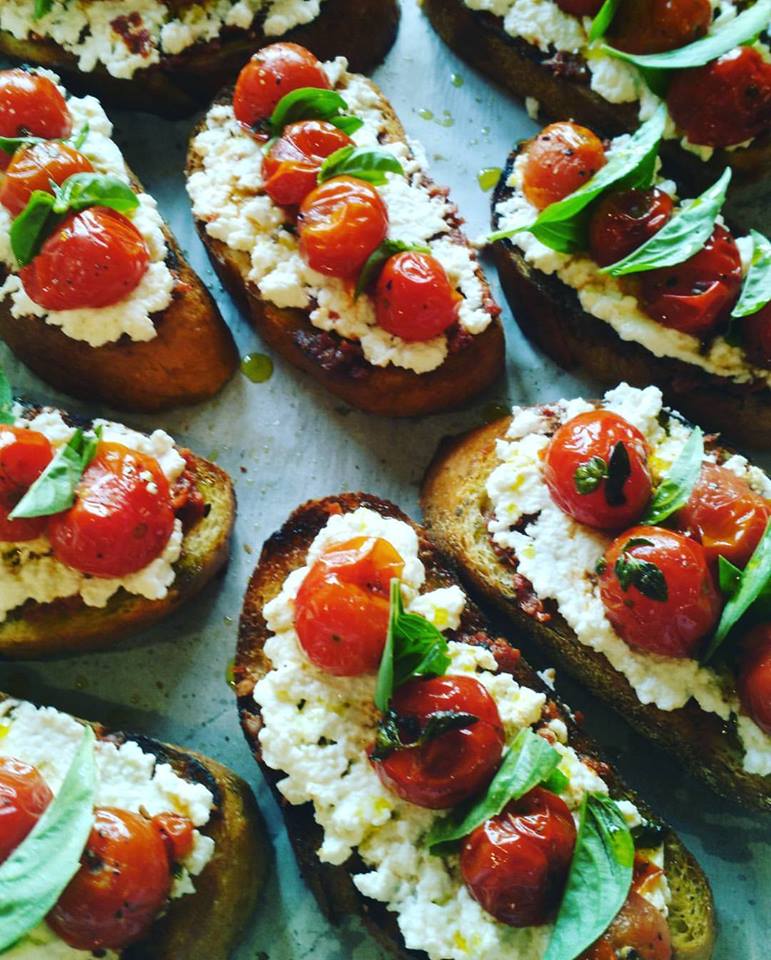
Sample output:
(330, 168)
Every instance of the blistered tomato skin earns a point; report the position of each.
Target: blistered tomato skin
(562, 158)
(515, 865)
(35, 167)
(725, 102)
(622, 221)
(341, 609)
(31, 105)
(675, 623)
(653, 26)
(638, 925)
(271, 74)
(290, 167)
(568, 470)
(24, 797)
(24, 455)
(177, 834)
(754, 678)
(414, 298)
(755, 332)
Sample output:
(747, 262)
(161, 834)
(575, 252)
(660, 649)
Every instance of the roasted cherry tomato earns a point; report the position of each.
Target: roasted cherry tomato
(725, 102)
(755, 331)
(622, 221)
(92, 259)
(271, 74)
(594, 480)
(24, 796)
(123, 883)
(292, 164)
(32, 105)
(414, 298)
(638, 926)
(653, 26)
(658, 591)
(340, 224)
(341, 609)
(695, 296)
(24, 455)
(122, 517)
(560, 160)
(580, 8)
(754, 679)
(177, 833)
(724, 515)
(448, 768)
(516, 864)
(34, 167)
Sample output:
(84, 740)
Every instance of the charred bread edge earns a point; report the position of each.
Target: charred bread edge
(332, 885)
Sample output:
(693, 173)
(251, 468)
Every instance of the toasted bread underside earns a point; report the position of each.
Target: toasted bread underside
(208, 924)
(68, 626)
(456, 508)
(691, 912)
(361, 30)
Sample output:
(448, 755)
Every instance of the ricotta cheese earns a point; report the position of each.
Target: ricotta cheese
(228, 197)
(559, 556)
(127, 777)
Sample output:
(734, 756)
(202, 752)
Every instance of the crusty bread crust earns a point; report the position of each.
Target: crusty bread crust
(691, 911)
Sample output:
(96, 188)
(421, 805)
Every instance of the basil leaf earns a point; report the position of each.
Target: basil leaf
(646, 576)
(54, 489)
(599, 880)
(81, 138)
(83, 190)
(6, 399)
(603, 19)
(42, 7)
(562, 225)
(12, 144)
(681, 237)
(348, 124)
(557, 782)
(364, 163)
(729, 576)
(589, 475)
(306, 103)
(756, 290)
(675, 489)
(30, 229)
(35, 874)
(528, 761)
(619, 470)
(736, 32)
(389, 736)
(377, 260)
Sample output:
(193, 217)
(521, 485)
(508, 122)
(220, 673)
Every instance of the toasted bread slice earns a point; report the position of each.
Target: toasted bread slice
(208, 924)
(361, 30)
(691, 910)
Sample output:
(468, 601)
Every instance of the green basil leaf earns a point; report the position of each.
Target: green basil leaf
(30, 229)
(35, 874)
(557, 782)
(81, 138)
(646, 576)
(6, 399)
(675, 488)
(306, 103)
(756, 290)
(364, 163)
(681, 237)
(599, 880)
(589, 475)
(83, 190)
(377, 260)
(528, 761)
(729, 576)
(389, 736)
(54, 490)
(347, 123)
(603, 19)
(12, 144)
(619, 470)
(42, 7)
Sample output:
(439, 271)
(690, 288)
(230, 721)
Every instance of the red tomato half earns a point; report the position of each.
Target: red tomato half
(638, 925)
(454, 765)
(754, 679)
(414, 298)
(292, 164)
(755, 331)
(341, 609)
(673, 624)
(24, 455)
(562, 158)
(24, 796)
(122, 517)
(579, 445)
(622, 221)
(653, 26)
(177, 833)
(516, 864)
(31, 105)
(123, 882)
(33, 168)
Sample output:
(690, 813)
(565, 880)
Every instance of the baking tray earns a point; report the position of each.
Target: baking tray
(286, 441)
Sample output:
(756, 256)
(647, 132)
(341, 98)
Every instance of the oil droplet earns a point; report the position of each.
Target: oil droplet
(426, 114)
(456, 80)
(230, 674)
(488, 177)
(485, 131)
(257, 367)
(5, 729)
(446, 120)
(494, 411)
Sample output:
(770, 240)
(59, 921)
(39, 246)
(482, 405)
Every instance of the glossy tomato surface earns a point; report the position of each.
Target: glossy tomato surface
(340, 224)
(672, 620)
(123, 882)
(622, 221)
(639, 926)
(516, 864)
(562, 158)
(414, 298)
(291, 166)
(653, 26)
(122, 517)
(177, 834)
(341, 609)
(94, 258)
(31, 104)
(35, 167)
(583, 466)
(754, 679)
(271, 74)
(755, 333)
(455, 765)
(24, 455)
(24, 796)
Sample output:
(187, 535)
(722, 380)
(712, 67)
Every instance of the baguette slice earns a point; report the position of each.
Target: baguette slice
(208, 924)
(362, 30)
(69, 627)
(456, 508)
(691, 910)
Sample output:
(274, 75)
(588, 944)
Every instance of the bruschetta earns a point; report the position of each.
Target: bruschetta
(103, 530)
(623, 279)
(629, 579)
(117, 846)
(389, 719)
(172, 56)
(95, 295)
(346, 257)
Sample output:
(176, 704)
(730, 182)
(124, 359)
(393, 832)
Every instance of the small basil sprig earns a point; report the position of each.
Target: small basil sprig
(364, 163)
(756, 290)
(313, 103)
(377, 260)
(681, 237)
(35, 874)
(528, 761)
(675, 489)
(603, 19)
(634, 572)
(6, 399)
(42, 7)
(599, 880)
(389, 731)
(615, 473)
(12, 144)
